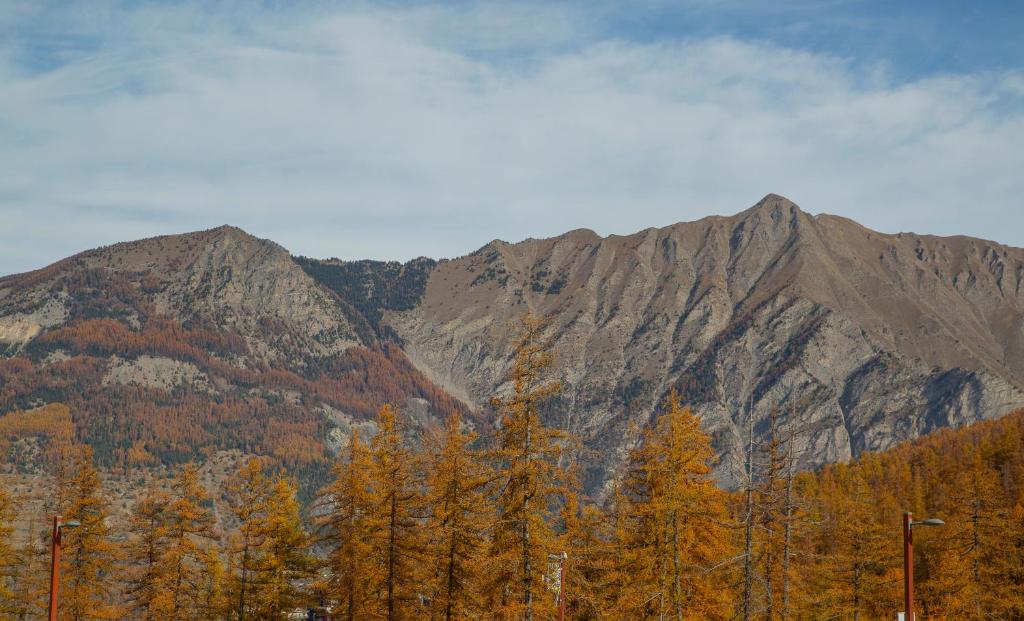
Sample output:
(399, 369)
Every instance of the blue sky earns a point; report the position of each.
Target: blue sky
(392, 130)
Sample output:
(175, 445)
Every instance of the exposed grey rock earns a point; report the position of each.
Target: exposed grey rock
(859, 339)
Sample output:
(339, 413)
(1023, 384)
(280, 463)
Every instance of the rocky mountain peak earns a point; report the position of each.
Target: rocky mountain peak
(860, 338)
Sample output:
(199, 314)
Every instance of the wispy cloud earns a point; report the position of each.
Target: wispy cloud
(367, 132)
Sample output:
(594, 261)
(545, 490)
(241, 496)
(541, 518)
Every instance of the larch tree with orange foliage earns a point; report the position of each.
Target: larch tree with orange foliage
(9, 558)
(856, 553)
(584, 540)
(457, 492)
(397, 541)
(347, 528)
(531, 482)
(87, 590)
(967, 577)
(147, 571)
(677, 523)
(287, 560)
(185, 584)
(269, 548)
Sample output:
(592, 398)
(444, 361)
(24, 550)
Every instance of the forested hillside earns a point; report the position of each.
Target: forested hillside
(459, 525)
(171, 349)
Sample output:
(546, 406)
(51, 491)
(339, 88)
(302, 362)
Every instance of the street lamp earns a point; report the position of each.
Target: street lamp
(908, 559)
(58, 528)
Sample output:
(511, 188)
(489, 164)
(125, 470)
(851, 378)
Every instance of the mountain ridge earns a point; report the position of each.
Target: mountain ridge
(860, 339)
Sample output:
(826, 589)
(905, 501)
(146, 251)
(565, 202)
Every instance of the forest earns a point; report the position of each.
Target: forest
(455, 524)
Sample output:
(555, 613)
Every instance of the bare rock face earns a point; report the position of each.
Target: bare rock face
(858, 339)
(222, 277)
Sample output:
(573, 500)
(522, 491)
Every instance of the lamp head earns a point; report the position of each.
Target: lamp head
(70, 524)
(930, 522)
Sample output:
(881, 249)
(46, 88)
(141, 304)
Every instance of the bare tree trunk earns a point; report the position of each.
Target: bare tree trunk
(391, 556)
(527, 569)
(677, 585)
(787, 546)
(748, 578)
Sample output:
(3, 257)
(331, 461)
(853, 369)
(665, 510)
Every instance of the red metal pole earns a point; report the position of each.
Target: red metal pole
(908, 566)
(561, 587)
(54, 567)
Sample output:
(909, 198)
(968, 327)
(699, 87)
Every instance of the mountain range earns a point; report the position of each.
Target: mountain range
(191, 346)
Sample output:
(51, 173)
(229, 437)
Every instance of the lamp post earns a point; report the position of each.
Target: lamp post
(58, 528)
(908, 560)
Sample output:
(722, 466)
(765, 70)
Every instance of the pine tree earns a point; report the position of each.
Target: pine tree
(676, 521)
(347, 528)
(88, 552)
(457, 494)
(530, 482)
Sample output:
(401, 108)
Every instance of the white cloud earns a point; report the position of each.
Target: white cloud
(373, 133)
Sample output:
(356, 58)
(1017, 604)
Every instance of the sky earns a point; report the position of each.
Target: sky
(392, 130)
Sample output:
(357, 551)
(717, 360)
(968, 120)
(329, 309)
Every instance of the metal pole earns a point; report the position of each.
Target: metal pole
(908, 566)
(54, 567)
(561, 586)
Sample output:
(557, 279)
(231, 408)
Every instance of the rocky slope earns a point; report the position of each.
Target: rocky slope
(857, 339)
(179, 347)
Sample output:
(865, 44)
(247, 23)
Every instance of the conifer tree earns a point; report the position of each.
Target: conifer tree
(676, 521)
(9, 557)
(460, 509)
(269, 546)
(347, 525)
(32, 580)
(148, 571)
(855, 555)
(584, 563)
(288, 561)
(89, 555)
(397, 540)
(531, 482)
(978, 519)
(620, 562)
(190, 532)
(249, 502)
